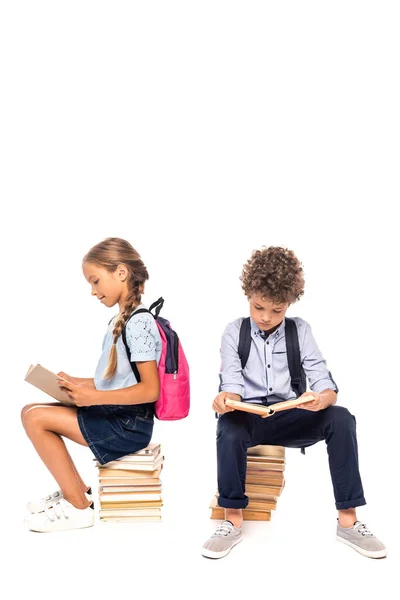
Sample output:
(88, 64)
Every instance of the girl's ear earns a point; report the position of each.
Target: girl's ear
(122, 272)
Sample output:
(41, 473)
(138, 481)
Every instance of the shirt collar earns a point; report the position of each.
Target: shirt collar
(257, 332)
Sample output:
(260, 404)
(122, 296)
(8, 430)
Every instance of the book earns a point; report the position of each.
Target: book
(255, 504)
(117, 489)
(153, 449)
(277, 460)
(148, 454)
(261, 450)
(262, 497)
(127, 465)
(132, 504)
(265, 465)
(109, 474)
(254, 488)
(139, 459)
(267, 411)
(128, 496)
(46, 381)
(265, 503)
(129, 481)
(130, 512)
(248, 515)
(268, 474)
(259, 477)
(218, 512)
(131, 519)
(273, 460)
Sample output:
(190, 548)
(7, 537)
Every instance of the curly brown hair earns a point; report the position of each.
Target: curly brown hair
(275, 273)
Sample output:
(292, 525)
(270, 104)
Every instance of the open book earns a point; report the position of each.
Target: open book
(267, 411)
(47, 382)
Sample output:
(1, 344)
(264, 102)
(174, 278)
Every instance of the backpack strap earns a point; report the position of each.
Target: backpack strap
(244, 341)
(158, 304)
(128, 352)
(297, 375)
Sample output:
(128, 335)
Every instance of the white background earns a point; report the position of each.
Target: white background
(200, 131)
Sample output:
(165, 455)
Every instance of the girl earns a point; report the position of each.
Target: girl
(113, 413)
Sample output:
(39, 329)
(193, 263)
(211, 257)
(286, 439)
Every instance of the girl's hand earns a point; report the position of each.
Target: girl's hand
(315, 405)
(68, 377)
(81, 394)
(75, 380)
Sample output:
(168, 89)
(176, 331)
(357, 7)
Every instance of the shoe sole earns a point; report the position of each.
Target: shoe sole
(58, 530)
(367, 553)
(210, 554)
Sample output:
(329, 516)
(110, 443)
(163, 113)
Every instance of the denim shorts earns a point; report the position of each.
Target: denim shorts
(115, 430)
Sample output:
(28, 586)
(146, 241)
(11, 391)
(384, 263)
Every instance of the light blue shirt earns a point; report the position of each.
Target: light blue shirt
(144, 342)
(266, 375)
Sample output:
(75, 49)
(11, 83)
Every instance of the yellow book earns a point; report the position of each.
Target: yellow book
(264, 450)
(265, 503)
(248, 515)
(132, 504)
(106, 473)
(259, 488)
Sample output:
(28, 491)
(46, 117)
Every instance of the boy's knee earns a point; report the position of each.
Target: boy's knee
(231, 429)
(341, 417)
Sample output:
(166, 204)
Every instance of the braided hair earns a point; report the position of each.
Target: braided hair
(108, 254)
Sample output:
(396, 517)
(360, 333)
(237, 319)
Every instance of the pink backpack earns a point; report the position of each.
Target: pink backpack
(173, 369)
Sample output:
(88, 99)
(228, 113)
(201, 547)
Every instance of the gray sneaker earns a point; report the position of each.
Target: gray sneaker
(362, 540)
(222, 541)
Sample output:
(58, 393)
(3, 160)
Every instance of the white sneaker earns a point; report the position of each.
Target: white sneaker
(39, 505)
(60, 516)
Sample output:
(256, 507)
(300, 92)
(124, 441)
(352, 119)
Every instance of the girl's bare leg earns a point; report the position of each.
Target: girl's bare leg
(44, 425)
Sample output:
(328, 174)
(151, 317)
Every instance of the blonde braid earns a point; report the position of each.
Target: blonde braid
(133, 300)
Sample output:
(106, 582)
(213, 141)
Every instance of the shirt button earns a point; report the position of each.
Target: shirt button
(267, 342)
(270, 389)
(269, 366)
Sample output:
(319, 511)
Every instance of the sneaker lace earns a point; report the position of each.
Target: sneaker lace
(363, 529)
(56, 511)
(223, 530)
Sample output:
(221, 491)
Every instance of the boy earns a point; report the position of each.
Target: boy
(273, 280)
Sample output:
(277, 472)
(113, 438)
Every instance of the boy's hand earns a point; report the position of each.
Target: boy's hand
(219, 403)
(315, 405)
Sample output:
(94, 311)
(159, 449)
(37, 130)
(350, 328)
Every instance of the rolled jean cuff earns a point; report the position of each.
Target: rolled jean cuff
(231, 503)
(350, 504)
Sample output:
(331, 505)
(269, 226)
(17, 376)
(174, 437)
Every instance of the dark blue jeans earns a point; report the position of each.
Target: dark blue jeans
(294, 428)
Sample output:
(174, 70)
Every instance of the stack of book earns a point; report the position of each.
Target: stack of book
(130, 488)
(264, 483)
